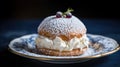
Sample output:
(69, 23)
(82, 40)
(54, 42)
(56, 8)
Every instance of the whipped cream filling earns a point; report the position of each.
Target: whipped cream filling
(61, 45)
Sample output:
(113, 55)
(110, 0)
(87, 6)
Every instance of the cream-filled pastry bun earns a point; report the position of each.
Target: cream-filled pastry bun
(62, 35)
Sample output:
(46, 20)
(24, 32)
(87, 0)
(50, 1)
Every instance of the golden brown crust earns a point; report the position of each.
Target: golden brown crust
(51, 52)
(67, 37)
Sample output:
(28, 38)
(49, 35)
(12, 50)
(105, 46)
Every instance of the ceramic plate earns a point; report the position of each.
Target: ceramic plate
(99, 46)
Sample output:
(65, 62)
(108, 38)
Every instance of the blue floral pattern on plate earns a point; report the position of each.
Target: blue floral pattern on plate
(98, 45)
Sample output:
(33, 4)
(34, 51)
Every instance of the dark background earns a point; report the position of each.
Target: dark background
(21, 17)
(27, 9)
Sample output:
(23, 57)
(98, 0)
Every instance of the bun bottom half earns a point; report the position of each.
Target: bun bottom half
(52, 52)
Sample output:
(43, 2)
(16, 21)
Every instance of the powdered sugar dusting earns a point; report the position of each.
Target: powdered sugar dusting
(62, 25)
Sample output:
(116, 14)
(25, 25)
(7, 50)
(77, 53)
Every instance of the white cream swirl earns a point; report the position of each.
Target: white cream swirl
(61, 45)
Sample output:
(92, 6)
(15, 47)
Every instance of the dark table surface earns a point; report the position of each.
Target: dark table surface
(10, 29)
